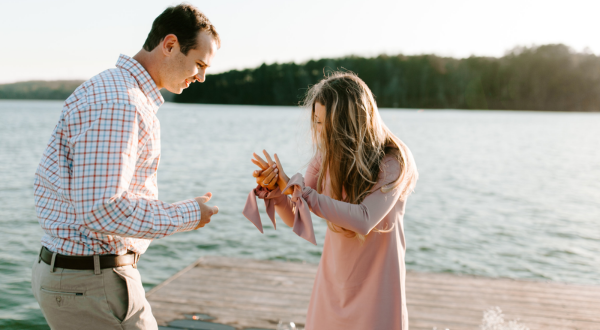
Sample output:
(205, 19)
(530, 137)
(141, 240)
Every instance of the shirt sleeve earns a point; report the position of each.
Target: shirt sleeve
(360, 218)
(104, 153)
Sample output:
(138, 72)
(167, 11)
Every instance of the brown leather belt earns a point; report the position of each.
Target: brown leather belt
(87, 262)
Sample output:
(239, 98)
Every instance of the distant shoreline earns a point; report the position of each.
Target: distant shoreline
(384, 109)
(39, 90)
(543, 78)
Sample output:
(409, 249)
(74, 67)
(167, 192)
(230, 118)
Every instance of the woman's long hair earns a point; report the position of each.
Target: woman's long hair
(353, 142)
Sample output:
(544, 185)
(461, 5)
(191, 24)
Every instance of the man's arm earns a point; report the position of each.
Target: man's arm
(104, 158)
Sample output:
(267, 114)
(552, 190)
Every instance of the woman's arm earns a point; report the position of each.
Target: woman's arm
(284, 206)
(360, 218)
(285, 209)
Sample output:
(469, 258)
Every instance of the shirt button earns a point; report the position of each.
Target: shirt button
(57, 298)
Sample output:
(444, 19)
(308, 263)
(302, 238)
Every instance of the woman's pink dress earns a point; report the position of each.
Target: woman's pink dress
(357, 286)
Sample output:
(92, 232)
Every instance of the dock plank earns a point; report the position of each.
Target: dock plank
(247, 293)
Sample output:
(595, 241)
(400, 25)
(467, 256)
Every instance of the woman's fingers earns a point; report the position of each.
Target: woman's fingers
(267, 171)
(272, 176)
(278, 163)
(259, 164)
(260, 160)
(269, 160)
(273, 182)
(269, 177)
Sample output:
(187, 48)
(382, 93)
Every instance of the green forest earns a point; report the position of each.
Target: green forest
(39, 90)
(549, 77)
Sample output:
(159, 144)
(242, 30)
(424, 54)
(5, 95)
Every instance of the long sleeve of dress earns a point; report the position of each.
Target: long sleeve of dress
(360, 218)
(283, 204)
(299, 220)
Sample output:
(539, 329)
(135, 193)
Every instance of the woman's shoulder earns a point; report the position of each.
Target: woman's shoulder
(392, 155)
(390, 167)
(398, 162)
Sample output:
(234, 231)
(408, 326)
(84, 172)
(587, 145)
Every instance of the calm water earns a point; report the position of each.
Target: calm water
(510, 194)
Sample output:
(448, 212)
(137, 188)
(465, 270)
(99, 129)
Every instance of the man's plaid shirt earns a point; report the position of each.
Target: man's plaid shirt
(95, 188)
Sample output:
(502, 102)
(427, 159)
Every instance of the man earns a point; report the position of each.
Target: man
(96, 190)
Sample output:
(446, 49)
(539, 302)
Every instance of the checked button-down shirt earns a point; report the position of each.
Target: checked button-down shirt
(95, 187)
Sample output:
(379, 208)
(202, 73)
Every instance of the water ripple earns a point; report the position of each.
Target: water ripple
(501, 194)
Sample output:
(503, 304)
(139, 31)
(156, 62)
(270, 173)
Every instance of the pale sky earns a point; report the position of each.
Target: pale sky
(61, 39)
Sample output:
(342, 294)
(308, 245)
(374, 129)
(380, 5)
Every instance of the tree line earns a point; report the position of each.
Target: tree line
(548, 77)
(39, 90)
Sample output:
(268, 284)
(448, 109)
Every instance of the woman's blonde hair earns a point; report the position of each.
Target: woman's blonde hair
(353, 142)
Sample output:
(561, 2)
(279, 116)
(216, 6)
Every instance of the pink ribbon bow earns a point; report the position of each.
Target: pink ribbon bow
(303, 225)
(251, 208)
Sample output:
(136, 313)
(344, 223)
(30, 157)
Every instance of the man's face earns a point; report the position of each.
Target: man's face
(181, 70)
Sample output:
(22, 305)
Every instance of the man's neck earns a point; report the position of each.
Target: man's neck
(146, 59)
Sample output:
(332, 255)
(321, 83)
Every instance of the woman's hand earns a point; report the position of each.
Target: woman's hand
(282, 177)
(267, 177)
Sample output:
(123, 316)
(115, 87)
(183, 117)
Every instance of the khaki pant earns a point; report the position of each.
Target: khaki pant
(80, 299)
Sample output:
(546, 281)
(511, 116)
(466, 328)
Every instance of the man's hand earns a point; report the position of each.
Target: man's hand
(205, 211)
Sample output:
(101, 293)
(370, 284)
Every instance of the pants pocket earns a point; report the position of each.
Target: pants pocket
(116, 291)
(73, 299)
(139, 313)
(136, 295)
(61, 298)
(64, 293)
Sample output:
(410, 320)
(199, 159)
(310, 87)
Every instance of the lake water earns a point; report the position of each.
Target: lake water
(500, 194)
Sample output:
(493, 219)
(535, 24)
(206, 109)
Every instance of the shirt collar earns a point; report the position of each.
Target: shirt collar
(143, 78)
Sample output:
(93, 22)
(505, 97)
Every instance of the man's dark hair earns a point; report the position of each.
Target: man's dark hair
(184, 21)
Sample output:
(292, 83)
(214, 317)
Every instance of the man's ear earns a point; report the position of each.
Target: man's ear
(169, 44)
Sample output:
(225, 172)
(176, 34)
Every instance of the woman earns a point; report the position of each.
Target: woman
(358, 181)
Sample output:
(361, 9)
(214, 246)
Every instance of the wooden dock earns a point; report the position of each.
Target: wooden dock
(255, 294)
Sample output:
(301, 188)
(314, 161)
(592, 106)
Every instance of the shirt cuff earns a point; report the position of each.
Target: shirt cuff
(190, 214)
